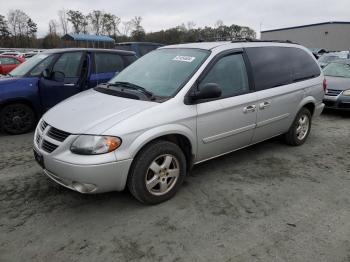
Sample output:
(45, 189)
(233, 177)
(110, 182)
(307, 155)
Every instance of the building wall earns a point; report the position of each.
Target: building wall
(332, 37)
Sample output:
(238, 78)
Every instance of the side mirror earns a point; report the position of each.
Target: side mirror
(209, 90)
(46, 73)
(58, 76)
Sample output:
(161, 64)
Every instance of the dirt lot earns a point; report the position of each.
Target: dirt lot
(269, 202)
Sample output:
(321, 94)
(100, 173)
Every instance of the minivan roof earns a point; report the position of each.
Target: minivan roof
(63, 50)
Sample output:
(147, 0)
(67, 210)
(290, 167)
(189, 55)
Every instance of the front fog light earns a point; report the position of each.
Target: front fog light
(95, 145)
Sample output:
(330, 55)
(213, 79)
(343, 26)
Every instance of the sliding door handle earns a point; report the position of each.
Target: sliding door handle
(264, 105)
(250, 108)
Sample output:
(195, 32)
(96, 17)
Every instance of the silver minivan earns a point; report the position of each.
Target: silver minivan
(175, 107)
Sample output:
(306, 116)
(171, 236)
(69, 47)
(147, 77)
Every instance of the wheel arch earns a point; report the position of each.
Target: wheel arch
(180, 135)
(309, 103)
(20, 101)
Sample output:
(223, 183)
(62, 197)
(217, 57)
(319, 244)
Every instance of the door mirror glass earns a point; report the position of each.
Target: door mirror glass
(58, 76)
(46, 74)
(209, 90)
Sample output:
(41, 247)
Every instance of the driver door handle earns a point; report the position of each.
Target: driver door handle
(69, 84)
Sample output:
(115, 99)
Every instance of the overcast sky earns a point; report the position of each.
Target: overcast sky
(159, 14)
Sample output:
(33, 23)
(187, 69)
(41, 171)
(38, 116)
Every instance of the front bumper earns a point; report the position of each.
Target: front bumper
(339, 103)
(88, 178)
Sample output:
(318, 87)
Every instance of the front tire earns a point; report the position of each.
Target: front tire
(157, 172)
(300, 129)
(17, 119)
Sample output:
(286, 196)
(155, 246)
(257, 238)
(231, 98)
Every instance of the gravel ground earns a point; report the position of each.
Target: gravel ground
(269, 202)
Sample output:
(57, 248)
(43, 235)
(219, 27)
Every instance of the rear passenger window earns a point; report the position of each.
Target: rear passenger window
(230, 74)
(276, 66)
(108, 62)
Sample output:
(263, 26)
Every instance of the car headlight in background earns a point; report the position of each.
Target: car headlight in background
(346, 92)
(95, 145)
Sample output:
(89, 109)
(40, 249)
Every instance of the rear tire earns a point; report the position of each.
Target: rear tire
(157, 172)
(17, 119)
(300, 129)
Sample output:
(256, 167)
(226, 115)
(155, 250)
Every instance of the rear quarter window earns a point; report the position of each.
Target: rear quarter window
(276, 66)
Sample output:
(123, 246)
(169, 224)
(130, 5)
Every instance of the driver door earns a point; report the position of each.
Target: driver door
(53, 91)
(226, 123)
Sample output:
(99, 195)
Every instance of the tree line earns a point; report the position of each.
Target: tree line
(19, 30)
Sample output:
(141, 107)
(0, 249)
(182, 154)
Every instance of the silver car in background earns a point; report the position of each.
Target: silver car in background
(175, 107)
(338, 85)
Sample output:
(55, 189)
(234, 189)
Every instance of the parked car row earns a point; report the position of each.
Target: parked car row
(172, 108)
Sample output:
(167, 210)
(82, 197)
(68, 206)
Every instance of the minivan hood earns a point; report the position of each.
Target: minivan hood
(338, 83)
(92, 112)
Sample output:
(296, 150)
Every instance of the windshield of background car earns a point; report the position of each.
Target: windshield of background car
(164, 71)
(38, 63)
(337, 70)
(327, 58)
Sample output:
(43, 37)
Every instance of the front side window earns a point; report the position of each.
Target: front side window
(69, 64)
(39, 68)
(164, 71)
(230, 74)
(107, 62)
(337, 70)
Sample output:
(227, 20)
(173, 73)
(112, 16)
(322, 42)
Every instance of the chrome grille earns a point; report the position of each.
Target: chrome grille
(49, 138)
(57, 134)
(333, 92)
(48, 147)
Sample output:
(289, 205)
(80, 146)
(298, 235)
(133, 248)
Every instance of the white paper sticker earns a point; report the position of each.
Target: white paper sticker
(188, 59)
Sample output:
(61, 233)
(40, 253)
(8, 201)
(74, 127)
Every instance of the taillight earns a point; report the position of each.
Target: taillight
(324, 85)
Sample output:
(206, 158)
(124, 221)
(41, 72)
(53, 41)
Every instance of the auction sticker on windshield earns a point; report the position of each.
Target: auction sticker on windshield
(182, 58)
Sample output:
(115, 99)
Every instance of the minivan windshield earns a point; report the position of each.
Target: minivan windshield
(24, 68)
(337, 70)
(163, 72)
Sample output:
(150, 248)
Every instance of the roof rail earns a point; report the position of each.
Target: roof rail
(237, 40)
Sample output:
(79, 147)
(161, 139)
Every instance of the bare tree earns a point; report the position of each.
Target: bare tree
(190, 25)
(127, 27)
(63, 20)
(53, 26)
(218, 23)
(96, 18)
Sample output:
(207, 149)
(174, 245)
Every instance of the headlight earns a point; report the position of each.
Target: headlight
(95, 145)
(346, 92)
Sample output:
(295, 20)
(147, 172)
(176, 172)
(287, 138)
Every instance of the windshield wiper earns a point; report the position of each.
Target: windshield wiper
(132, 86)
